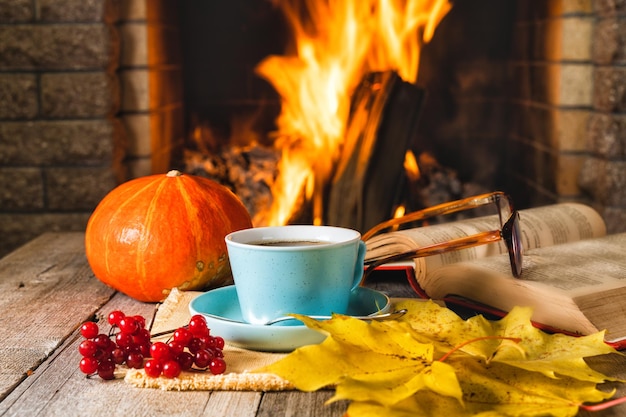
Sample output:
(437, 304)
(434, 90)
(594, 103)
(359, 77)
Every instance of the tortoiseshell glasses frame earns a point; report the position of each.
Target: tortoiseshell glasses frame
(509, 230)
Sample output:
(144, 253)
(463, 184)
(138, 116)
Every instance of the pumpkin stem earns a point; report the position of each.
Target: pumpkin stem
(173, 173)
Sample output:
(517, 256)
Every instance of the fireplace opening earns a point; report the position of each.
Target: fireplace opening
(237, 130)
(221, 44)
(515, 99)
(526, 97)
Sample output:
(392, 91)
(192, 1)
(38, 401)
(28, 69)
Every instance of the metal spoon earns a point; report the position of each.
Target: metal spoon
(384, 316)
(378, 317)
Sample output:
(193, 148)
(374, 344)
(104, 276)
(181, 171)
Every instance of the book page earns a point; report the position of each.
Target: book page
(559, 223)
(493, 285)
(540, 227)
(566, 284)
(574, 268)
(579, 268)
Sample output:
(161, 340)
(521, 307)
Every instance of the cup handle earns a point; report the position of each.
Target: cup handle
(358, 269)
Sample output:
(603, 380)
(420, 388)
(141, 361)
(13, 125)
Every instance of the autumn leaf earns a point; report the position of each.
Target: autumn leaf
(496, 390)
(550, 354)
(431, 362)
(366, 354)
(389, 389)
(537, 351)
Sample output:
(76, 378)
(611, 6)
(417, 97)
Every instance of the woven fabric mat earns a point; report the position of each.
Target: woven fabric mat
(174, 313)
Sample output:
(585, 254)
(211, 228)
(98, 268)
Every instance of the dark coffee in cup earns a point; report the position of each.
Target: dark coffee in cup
(285, 243)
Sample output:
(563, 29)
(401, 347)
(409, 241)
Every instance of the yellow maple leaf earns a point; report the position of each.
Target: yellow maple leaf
(551, 354)
(360, 354)
(536, 351)
(392, 387)
(495, 390)
(431, 362)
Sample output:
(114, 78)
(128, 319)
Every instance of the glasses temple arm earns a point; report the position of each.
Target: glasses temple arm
(438, 248)
(440, 209)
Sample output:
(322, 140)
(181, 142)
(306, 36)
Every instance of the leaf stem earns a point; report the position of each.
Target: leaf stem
(467, 342)
(603, 405)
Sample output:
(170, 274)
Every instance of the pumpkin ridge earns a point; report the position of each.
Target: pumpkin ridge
(225, 219)
(223, 215)
(142, 245)
(197, 229)
(119, 211)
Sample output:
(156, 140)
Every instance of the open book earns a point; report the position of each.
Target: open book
(574, 275)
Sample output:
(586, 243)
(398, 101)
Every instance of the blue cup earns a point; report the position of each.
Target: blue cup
(300, 269)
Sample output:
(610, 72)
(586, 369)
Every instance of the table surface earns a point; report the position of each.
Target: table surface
(48, 290)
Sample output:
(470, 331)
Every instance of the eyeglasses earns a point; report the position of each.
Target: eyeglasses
(509, 231)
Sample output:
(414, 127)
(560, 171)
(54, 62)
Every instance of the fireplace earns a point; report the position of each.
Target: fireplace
(526, 97)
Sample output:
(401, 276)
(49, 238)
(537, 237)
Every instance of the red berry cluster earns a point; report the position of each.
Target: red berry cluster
(190, 346)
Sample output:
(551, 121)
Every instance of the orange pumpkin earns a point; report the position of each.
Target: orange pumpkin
(158, 232)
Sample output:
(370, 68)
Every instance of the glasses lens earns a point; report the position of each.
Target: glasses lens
(511, 234)
(513, 237)
(504, 207)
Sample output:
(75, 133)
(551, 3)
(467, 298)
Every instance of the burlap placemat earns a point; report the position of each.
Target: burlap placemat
(173, 313)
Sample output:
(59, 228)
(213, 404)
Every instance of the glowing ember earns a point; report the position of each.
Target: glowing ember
(335, 43)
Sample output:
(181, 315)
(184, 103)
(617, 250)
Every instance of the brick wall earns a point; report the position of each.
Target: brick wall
(150, 73)
(58, 97)
(552, 93)
(90, 96)
(568, 136)
(603, 173)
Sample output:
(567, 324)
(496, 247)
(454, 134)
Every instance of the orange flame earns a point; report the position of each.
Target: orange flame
(398, 212)
(411, 168)
(335, 44)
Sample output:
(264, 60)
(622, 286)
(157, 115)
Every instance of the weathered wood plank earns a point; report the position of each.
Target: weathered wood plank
(49, 283)
(300, 404)
(57, 375)
(227, 403)
(58, 387)
(50, 278)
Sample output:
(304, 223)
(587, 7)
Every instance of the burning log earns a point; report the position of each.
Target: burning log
(248, 171)
(369, 179)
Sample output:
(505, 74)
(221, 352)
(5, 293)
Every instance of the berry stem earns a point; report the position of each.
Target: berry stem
(166, 332)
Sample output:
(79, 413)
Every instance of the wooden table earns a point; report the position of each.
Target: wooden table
(47, 290)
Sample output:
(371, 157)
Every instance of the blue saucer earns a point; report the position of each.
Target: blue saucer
(223, 303)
